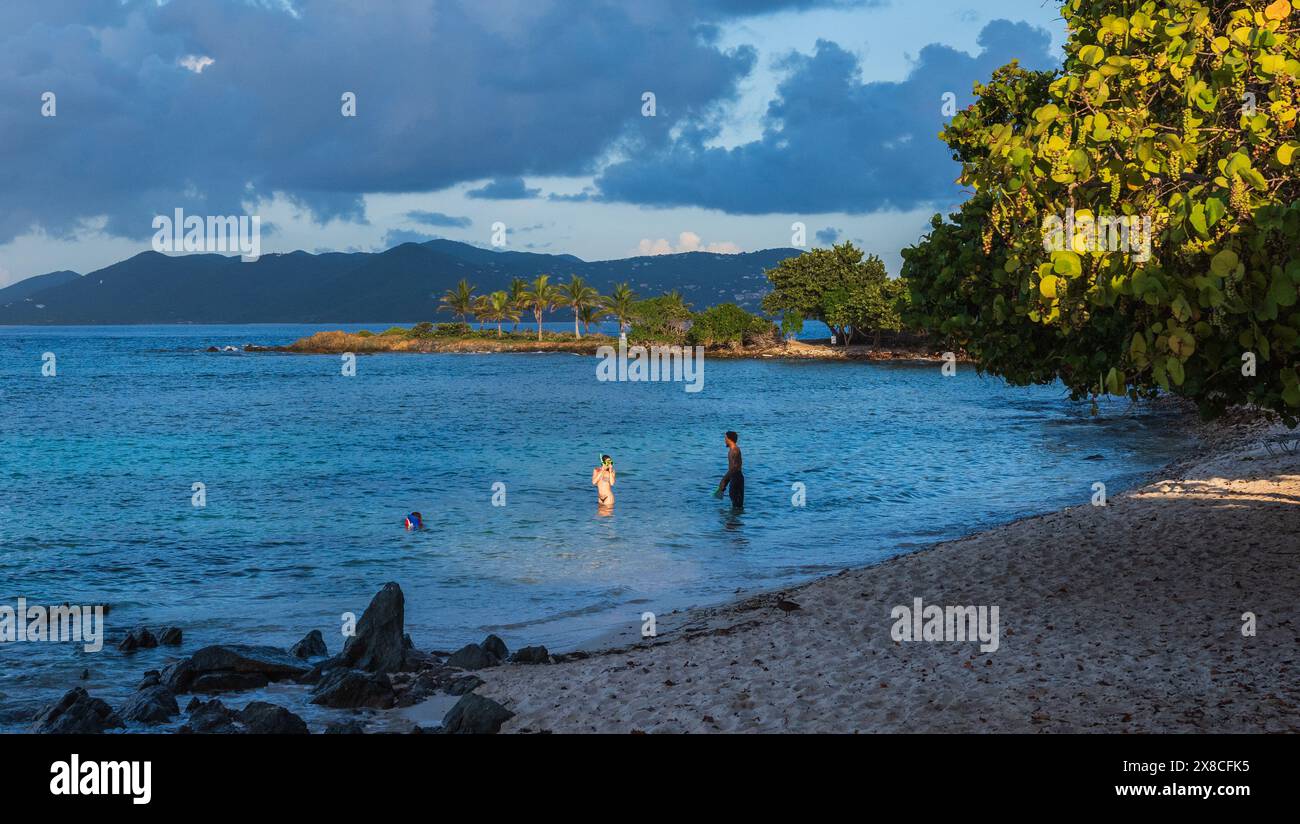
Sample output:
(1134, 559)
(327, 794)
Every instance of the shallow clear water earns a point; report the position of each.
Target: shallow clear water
(309, 475)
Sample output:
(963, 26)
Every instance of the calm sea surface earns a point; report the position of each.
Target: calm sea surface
(309, 474)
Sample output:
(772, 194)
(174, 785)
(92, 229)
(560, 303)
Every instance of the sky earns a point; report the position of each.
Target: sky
(469, 113)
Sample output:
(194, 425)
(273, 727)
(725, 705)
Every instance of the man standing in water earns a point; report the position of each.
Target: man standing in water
(735, 478)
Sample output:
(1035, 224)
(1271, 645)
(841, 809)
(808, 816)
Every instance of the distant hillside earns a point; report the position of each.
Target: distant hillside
(401, 284)
(26, 288)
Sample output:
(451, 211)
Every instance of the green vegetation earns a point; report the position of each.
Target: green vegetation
(1178, 116)
(852, 295)
(728, 324)
(459, 301)
(578, 296)
(665, 318)
(540, 298)
(620, 305)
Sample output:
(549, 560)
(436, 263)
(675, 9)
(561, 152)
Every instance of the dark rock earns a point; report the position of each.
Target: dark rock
(152, 678)
(494, 646)
(466, 684)
(76, 713)
(213, 349)
(209, 718)
(171, 637)
(472, 657)
(311, 646)
(275, 664)
(378, 645)
(179, 675)
(531, 655)
(559, 658)
(349, 727)
(85, 675)
(262, 718)
(228, 681)
(136, 639)
(407, 642)
(350, 689)
(475, 715)
(415, 661)
(313, 675)
(154, 704)
(194, 704)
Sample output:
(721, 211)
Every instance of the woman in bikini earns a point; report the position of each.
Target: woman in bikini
(602, 477)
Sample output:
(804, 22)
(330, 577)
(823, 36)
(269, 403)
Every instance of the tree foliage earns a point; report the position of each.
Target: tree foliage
(728, 323)
(1178, 116)
(838, 286)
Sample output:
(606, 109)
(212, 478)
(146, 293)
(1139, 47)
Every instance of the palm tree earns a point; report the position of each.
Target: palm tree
(460, 301)
(577, 295)
(495, 308)
(518, 299)
(541, 296)
(589, 315)
(619, 303)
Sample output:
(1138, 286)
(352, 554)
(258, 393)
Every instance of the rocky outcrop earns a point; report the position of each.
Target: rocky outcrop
(378, 644)
(229, 667)
(209, 718)
(475, 715)
(349, 688)
(151, 704)
(311, 646)
(472, 657)
(76, 713)
(140, 638)
(495, 647)
(531, 655)
(262, 718)
(170, 637)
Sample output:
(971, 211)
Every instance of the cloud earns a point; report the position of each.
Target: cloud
(195, 63)
(686, 242)
(504, 189)
(396, 237)
(438, 219)
(831, 143)
(512, 88)
(828, 236)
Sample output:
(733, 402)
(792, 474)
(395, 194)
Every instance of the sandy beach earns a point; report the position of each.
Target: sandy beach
(1126, 617)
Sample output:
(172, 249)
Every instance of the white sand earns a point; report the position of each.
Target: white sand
(1124, 618)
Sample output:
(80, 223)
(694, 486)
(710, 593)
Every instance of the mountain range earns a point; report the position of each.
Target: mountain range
(400, 284)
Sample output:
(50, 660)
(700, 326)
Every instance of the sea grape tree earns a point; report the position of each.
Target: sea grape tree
(1134, 224)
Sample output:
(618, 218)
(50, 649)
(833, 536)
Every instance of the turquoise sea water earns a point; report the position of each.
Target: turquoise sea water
(308, 475)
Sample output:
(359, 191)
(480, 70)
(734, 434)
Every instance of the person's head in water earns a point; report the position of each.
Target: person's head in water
(732, 438)
(606, 460)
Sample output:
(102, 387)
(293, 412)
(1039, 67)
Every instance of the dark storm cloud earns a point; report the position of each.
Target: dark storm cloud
(504, 189)
(830, 141)
(446, 92)
(438, 219)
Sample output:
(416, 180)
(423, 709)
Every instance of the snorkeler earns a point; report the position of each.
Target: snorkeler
(602, 477)
(734, 480)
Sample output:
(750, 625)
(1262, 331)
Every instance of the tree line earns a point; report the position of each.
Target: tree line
(849, 292)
